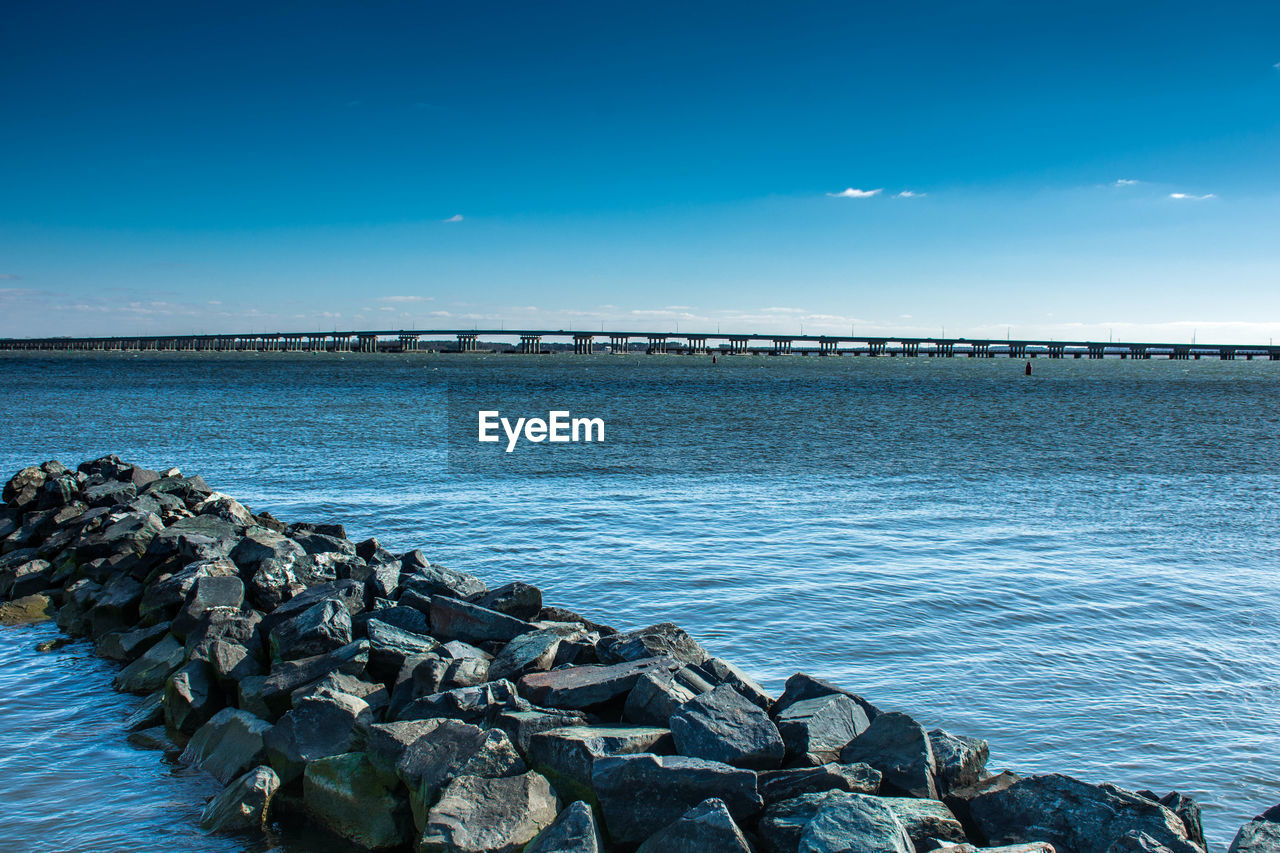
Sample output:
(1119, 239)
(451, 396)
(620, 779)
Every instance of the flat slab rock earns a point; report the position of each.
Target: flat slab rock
(580, 687)
(478, 815)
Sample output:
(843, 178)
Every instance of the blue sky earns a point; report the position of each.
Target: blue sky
(1053, 170)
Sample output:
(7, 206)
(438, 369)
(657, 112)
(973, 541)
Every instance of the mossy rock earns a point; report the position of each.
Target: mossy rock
(28, 610)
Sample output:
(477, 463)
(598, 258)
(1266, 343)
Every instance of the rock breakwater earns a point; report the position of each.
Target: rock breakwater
(402, 704)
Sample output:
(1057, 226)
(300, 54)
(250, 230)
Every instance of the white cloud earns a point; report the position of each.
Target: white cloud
(852, 193)
(1125, 182)
(1190, 197)
(404, 299)
(910, 194)
(457, 217)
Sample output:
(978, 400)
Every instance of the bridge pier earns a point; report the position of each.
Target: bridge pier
(1056, 350)
(875, 348)
(781, 346)
(980, 351)
(1227, 353)
(619, 343)
(1017, 350)
(657, 344)
(1138, 351)
(531, 344)
(828, 346)
(1097, 351)
(367, 343)
(584, 344)
(911, 349)
(697, 345)
(467, 343)
(408, 343)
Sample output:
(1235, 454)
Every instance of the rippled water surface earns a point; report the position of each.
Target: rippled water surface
(1080, 566)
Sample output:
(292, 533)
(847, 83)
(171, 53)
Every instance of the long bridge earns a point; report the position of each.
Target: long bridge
(534, 341)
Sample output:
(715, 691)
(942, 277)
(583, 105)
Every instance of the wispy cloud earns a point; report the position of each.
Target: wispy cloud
(1191, 197)
(1125, 182)
(854, 193)
(909, 194)
(457, 217)
(9, 276)
(404, 299)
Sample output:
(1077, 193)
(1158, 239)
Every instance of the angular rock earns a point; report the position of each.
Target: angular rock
(656, 641)
(567, 756)
(434, 674)
(489, 815)
(533, 651)
(268, 695)
(581, 687)
(272, 583)
(348, 797)
(149, 713)
(926, 819)
(521, 726)
(854, 823)
(228, 625)
(800, 687)
(321, 628)
(641, 794)
(453, 619)
(520, 600)
(162, 598)
(373, 693)
(386, 742)
(816, 730)
(899, 748)
(30, 578)
(317, 727)
(958, 799)
(227, 745)
(191, 697)
(426, 580)
(350, 593)
(1260, 835)
(657, 695)
(479, 704)
(719, 671)
(573, 831)
(207, 593)
(244, 804)
(203, 537)
(149, 672)
(259, 544)
(450, 750)
(961, 761)
(1135, 841)
(1188, 810)
(391, 646)
(725, 726)
(706, 828)
(127, 646)
(31, 477)
(1072, 815)
(779, 785)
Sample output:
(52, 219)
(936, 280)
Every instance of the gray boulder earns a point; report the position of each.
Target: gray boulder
(227, 745)
(489, 815)
(663, 640)
(450, 750)
(268, 695)
(779, 785)
(317, 727)
(521, 726)
(706, 828)
(422, 578)
(573, 831)
(1072, 815)
(899, 748)
(925, 820)
(532, 651)
(390, 646)
(1135, 841)
(128, 646)
(321, 628)
(162, 598)
(386, 742)
(816, 730)
(719, 671)
(479, 704)
(725, 726)
(800, 687)
(520, 600)
(149, 672)
(567, 756)
(347, 795)
(657, 695)
(641, 794)
(243, 804)
(960, 761)
(149, 713)
(854, 823)
(259, 544)
(1260, 835)
(191, 697)
(582, 687)
(452, 619)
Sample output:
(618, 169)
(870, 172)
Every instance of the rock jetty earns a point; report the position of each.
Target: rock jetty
(405, 705)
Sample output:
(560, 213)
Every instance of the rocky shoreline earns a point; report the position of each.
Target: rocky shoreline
(404, 705)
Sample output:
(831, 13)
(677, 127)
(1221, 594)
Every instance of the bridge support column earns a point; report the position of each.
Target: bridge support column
(531, 344)
(367, 343)
(619, 343)
(875, 348)
(467, 343)
(697, 345)
(1227, 353)
(1097, 351)
(781, 346)
(1017, 350)
(584, 344)
(1056, 350)
(911, 349)
(1138, 351)
(657, 345)
(408, 343)
(828, 346)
